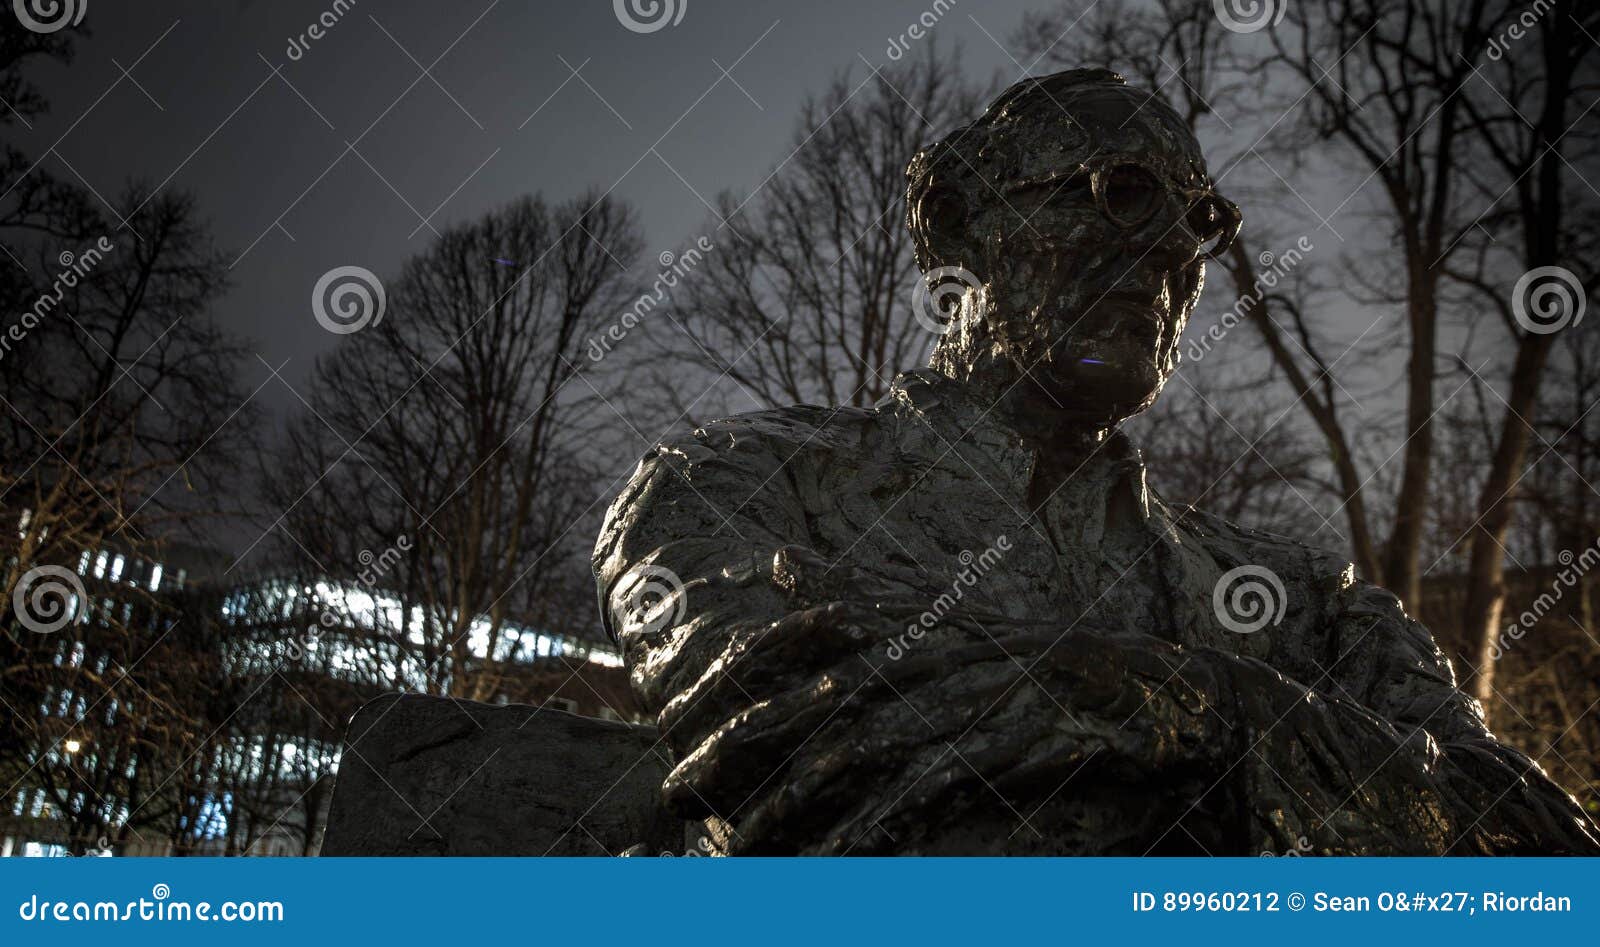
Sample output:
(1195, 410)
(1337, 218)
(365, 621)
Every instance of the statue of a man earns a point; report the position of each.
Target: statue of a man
(959, 622)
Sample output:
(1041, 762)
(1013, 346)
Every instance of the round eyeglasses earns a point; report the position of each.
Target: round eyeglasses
(1128, 192)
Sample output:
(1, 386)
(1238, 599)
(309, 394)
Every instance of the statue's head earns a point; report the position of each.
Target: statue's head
(1073, 220)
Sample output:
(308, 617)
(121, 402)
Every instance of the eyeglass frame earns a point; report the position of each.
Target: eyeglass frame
(1099, 169)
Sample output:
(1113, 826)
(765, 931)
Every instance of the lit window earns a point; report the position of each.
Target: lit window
(100, 566)
(116, 567)
(155, 576)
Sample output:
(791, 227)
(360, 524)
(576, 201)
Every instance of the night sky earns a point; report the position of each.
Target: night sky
(353, 149)
(350, 155)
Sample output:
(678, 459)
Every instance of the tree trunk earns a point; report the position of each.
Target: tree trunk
(1401, 571)
(1486, 565)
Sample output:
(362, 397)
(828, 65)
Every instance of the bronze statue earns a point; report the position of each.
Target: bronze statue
(960, 623)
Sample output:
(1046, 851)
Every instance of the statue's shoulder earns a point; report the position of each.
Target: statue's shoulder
(733, 466)
(796, 428)
(1233, 545)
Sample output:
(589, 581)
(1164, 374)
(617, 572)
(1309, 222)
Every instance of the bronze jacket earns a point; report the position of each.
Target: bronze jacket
(864, 634)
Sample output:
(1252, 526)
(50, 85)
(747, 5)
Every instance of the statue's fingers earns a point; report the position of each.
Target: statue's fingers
(751, 749)
(772, 661)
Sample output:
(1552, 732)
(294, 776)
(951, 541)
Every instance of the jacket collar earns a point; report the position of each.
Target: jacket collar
(960, 419)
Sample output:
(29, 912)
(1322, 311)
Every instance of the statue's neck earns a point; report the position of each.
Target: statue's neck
(1060, 434)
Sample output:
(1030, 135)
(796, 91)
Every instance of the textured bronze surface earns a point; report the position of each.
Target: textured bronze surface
(960, 623)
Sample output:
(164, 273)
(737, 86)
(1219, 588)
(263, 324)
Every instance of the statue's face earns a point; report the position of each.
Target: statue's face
(1089, 239)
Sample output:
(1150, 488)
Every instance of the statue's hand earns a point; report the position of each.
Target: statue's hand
(818, 752)
(836, 613)
(1051, 714)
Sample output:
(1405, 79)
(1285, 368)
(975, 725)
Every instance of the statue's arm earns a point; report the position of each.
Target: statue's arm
(1497, 799)
(736, 659)
(701, 522)
(1381, 754)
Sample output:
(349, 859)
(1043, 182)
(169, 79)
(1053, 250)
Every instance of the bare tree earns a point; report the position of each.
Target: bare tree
(1526, 119)
(807, 296)
(437, 468)
(122, 411)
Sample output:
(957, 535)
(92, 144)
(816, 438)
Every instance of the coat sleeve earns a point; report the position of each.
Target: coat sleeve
(1499, 801)
(683, 565)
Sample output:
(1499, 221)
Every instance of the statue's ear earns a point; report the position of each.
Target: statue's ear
(941, 214)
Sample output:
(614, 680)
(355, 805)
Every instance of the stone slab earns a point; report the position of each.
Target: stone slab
(434, 776)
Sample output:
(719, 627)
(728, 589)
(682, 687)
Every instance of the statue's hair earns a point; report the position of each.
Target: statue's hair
(955, 162)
